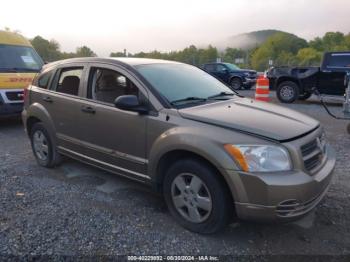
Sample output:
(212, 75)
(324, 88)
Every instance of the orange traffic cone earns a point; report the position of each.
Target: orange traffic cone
(262, 89)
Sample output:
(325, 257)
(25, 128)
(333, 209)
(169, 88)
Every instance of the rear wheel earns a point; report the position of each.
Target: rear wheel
(236, 83)
(196, 197)
(287, 92)
(43, 149)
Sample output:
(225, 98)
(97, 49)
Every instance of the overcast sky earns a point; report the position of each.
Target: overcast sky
(112, 25)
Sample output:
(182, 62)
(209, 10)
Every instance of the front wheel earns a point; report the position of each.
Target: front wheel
(236, 83)
(196, 197)
(287, 92)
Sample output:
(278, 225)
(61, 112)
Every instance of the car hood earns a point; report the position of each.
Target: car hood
(249, 116)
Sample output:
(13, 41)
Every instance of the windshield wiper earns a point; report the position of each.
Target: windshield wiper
(189, 99)
(221, 94)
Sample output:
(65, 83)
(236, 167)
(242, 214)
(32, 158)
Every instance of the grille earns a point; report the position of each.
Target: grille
(313, 153)
(309, 148)
(15, 95)
(313, 161)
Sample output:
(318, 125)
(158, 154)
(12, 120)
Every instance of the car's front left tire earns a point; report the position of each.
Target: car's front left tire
(45, 153)
(196, 197)
(236, 83)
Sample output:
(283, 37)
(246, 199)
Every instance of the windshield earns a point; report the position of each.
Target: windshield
(180, 81)
(232, 66)
(19, 59)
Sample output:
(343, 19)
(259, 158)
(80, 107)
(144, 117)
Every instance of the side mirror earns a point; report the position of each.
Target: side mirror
(224, 70)
(130, 103)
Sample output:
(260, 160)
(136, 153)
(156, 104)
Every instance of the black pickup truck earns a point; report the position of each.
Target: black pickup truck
(292, 83)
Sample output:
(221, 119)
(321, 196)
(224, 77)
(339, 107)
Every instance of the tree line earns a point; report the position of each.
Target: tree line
(49, 50)
(280, 49)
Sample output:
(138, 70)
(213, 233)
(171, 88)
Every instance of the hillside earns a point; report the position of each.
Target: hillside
(247, 40)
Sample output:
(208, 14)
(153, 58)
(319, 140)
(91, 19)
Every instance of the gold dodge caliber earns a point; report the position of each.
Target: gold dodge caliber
(213, 154)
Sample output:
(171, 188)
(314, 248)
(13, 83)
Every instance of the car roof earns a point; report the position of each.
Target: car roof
(126, 61)
(11, 38)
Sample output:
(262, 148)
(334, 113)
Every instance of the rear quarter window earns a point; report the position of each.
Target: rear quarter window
(43, 80)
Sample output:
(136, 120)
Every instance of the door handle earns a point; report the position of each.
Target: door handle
(47, 99)
(88, 109)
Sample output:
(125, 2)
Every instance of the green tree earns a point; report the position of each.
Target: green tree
(117, 54)
(84, 51)
(207, 55)
(309, 57)
(48, 50)
(280, 47)
(331, 41)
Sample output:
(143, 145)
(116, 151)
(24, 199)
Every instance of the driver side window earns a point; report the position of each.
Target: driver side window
(220, 68)
(106, 85)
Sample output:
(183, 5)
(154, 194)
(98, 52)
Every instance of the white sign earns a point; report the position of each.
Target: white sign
(28, 59)
(239, 60)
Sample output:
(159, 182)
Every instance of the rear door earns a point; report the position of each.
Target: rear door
(63, 103)
(114, 138)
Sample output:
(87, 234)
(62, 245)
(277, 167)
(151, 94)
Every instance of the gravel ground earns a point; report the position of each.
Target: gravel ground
(76, 209)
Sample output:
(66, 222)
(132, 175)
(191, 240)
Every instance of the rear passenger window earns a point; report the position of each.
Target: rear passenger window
(106, 85)
(210, 68)
(68, 81)
(43, 80)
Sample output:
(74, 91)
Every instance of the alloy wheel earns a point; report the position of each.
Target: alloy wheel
(40, 145)
(287, 92)
(191, 197)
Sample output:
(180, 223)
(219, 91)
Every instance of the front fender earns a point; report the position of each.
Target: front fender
(195, 141)
(235, 75)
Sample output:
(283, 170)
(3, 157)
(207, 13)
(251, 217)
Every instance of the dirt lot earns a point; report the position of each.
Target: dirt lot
(78, 210)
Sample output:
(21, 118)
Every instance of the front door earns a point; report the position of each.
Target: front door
(221, 72)
(113, 137)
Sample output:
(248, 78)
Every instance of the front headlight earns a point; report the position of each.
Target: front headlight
(246, 74)
(260, 158)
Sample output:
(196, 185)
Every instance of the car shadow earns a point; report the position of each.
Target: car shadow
(138, 195)
(6, 122)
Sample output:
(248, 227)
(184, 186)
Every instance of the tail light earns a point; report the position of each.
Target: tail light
(25, 93)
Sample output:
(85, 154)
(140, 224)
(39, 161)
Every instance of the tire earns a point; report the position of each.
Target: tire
(305, 96)
(287, 92)
(45, 153)
(236, 83)
(215, 198)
